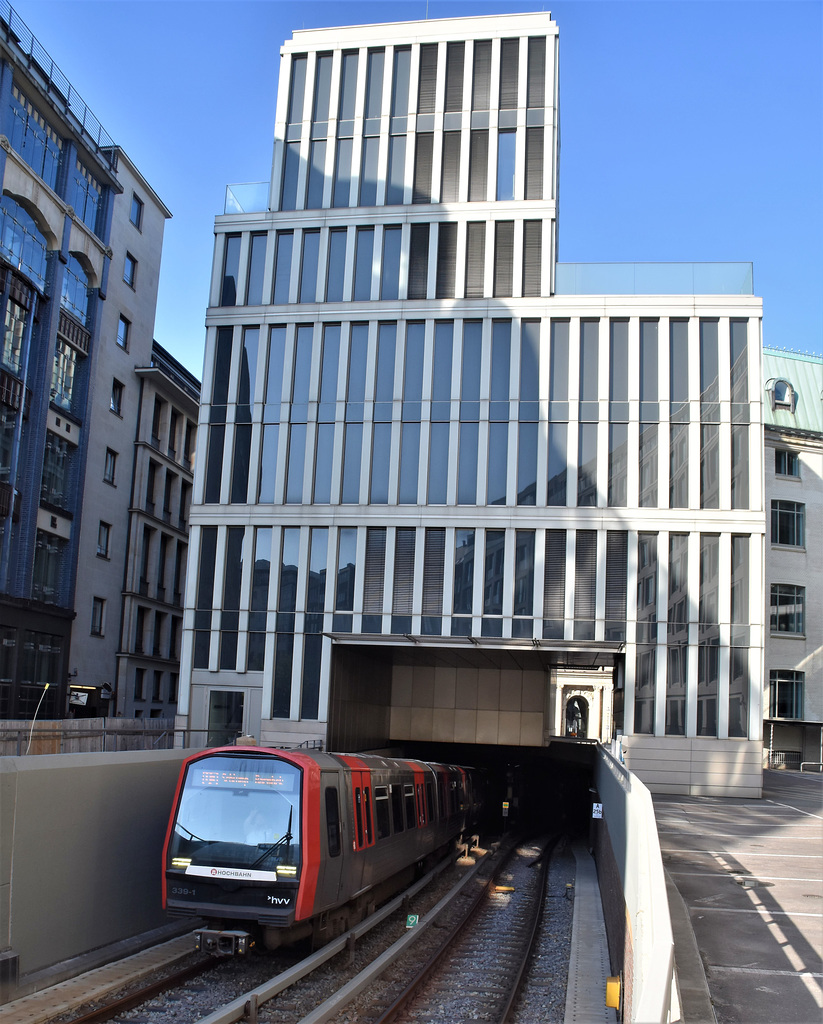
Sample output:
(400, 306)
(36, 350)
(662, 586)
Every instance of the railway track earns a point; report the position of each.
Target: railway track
(386, 971)
(478, 968)
(185, 996)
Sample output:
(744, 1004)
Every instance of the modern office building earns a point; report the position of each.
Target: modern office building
(452, 491)
(793, 418)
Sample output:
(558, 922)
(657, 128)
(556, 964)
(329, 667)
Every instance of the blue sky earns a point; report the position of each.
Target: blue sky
(689, 130)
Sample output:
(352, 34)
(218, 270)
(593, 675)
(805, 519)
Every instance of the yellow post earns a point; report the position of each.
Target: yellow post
(613, 992)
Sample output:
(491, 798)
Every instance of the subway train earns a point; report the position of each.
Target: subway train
(272, 846)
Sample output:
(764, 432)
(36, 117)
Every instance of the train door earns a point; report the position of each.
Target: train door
(362, 805)
(362, 828)
(332, 838)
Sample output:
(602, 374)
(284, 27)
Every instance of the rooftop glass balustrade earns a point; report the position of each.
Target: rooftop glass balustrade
(249, 197)
(654, 279)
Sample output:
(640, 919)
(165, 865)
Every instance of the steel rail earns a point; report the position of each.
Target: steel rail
(133, 999)
(405, 997)
(537, 918)
(249, 1002)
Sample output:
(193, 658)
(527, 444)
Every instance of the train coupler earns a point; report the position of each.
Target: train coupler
(222, 943)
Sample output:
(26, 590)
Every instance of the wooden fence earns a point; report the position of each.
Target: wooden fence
(86, 735)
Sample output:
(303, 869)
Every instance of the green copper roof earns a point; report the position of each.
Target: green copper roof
(805, 375)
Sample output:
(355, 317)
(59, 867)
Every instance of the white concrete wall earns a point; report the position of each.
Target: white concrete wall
(629, 815)
(697, 767)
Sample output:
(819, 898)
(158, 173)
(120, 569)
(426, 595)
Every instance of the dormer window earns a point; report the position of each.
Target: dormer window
(782, 394)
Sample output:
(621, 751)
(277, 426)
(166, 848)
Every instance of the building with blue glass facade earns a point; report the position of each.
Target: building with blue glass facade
(452, 490)
(81, 236)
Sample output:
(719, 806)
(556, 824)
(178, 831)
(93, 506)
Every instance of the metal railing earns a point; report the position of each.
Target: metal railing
(18, 34)
(784, 759)
(104, 735)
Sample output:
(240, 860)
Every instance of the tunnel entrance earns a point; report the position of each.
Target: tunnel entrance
(529, 718)
(463, 691)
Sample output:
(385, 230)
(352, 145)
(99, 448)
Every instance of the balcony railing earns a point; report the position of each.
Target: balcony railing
(653, 279)
(74, 332)
(17, 32)
(250, 197)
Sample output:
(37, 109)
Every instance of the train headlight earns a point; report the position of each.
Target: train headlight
(180, 862)
(286, 871)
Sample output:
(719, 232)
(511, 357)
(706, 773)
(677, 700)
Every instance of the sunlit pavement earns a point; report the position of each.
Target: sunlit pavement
(751, 875)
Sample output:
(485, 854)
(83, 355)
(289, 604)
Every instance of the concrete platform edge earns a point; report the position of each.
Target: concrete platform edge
(30, 984)
(589, 953)
(692, 987)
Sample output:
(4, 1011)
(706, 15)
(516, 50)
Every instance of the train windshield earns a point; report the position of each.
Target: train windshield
(240, 812)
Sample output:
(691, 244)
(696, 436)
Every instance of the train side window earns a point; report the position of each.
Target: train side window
(397, 808)
(429, 801)
(367, 802)
(411, 817)
(358, 812)
(381, 811)
(333, 821)
(443, 797)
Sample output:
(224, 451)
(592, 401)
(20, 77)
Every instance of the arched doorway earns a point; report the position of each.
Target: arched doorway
(577, 717)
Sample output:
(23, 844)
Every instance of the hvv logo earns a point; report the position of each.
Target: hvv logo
(279, 901)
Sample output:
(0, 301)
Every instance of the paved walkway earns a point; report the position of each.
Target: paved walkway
(589, 956)
(42, 1007)
(750, 875)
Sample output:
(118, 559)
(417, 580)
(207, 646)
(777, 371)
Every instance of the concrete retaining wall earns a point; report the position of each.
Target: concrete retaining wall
(81, 838)
(633, 889)
(696, 767)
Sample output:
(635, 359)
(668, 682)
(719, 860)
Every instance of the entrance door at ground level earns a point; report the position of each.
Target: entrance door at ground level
(577, 718)
(225, 717)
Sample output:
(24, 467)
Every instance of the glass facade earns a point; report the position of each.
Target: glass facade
(445, 448)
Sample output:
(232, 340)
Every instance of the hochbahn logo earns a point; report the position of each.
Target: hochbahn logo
(231, 873)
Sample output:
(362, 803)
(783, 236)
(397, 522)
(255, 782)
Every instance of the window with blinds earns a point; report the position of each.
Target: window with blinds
(534, 163)
(427, 83)
(617, 548)
(509, 59)
(403, 590)
(536, 73)
(523, 582)
(503, 257)
(450, 182)
(374, 572)
(532, 256)
(446, 259)
(423, 153)
(481, 74)
(418, 261)
(585, 584)
(554, 585)
(475, 258)
(478, 166)
(454, 75)
(434, 563)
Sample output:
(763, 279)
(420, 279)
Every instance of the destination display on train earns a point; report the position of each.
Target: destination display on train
(224, 778)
